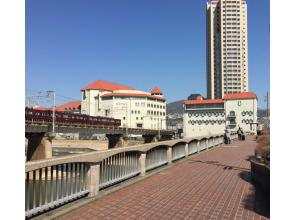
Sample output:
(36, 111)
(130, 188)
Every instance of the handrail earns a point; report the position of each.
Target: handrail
(63, 179)
(95, 157)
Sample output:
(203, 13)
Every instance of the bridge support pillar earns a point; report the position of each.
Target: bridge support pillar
(198, 146)
(115, 140)
(39, 145)
(150, 139)
(206, 142)
(169, 155)
(93, 176)
(186, 150)
(142, 164)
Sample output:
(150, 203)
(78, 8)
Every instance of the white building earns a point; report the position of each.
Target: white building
(135, 109)
(227, 47)
(213, 116)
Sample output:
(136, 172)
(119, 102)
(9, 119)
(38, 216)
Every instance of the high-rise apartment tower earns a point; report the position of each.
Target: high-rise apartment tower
(227, 49)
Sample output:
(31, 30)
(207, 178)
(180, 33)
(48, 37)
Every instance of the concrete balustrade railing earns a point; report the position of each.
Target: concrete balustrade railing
(156, 157)
(53, 182)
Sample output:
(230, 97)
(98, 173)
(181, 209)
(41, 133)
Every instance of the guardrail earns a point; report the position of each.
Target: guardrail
(43, 126)
(53, 182)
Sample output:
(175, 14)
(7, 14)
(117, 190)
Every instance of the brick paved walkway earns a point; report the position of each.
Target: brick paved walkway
(213, 185)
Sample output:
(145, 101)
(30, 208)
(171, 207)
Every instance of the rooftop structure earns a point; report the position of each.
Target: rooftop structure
(211, 116)
(133, 107)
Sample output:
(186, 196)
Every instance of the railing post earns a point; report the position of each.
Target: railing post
(169, 155)
(186, 150)
(206, 144)
(93, 178)
(198, 146)
(142, 164)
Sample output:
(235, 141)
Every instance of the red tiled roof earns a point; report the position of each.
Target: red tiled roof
(74, 104)
(132, 95)
(206, 101)
(107, 86)
(156, 90)
(242, 95)
(41, 108)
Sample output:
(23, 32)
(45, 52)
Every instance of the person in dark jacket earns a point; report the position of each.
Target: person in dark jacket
(239, 132)
(227, 137)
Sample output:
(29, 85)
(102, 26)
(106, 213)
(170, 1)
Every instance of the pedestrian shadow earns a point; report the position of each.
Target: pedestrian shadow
(217, 163)
(257, 200)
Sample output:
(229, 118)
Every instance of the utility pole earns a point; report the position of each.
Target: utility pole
(53, 109)
(28, 102)
(267, 109)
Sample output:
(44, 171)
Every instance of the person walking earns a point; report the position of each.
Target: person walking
(239, 132)
(227, 137)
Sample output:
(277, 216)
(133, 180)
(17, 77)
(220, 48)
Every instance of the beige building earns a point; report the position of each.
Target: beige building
(212, 116)
(135, 109)
(227, 47)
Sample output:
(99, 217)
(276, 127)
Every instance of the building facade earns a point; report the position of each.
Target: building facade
(227, 47)
(135, 109)
(71, 107)
(213, 116)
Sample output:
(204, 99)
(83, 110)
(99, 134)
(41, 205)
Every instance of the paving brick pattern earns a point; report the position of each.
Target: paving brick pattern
(212, 185)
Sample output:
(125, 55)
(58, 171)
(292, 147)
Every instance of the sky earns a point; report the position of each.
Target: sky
(139, 43)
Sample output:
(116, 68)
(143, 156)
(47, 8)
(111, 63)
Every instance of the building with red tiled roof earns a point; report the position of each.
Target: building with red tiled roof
(41, 108)
(132, 95)
(74, 107)
(156, 91)
(243, 95)
(212, 116)
(133, 107)
(106, 86)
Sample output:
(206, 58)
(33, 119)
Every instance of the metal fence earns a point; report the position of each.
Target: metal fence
(156, 157)
(119, 167)
(52, 186)
(178, 151)
(192, 147)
